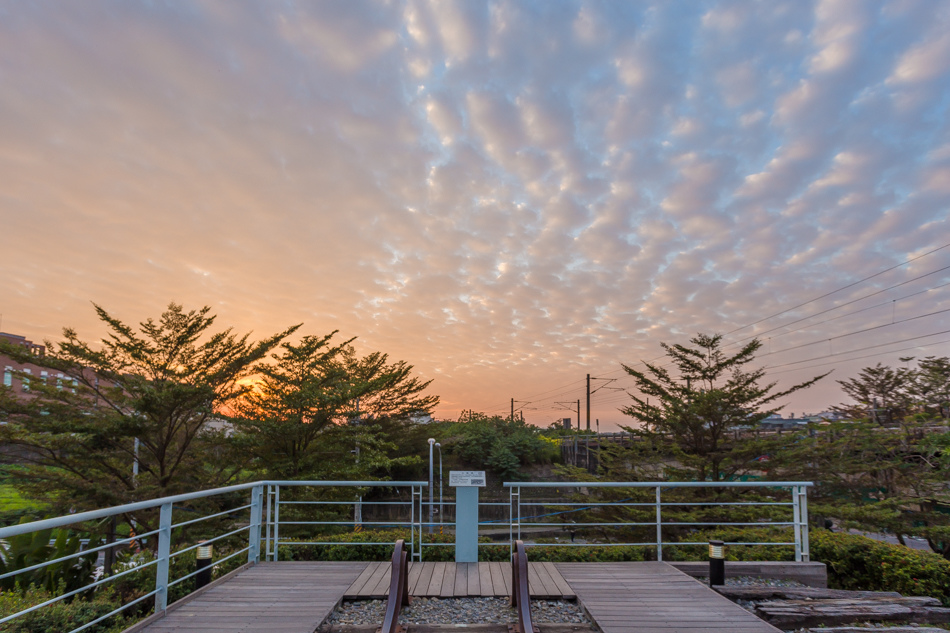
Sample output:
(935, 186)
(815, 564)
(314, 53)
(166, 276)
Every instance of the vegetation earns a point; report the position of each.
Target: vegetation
(695, 414)
(210, 407)
(145, 396)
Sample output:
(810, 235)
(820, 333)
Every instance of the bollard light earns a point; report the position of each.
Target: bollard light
(717, 563)
(203, 565)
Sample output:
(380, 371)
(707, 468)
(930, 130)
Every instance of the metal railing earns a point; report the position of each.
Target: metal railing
(798, 504)
(262, 522)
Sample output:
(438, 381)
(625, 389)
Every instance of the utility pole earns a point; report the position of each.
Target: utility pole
(578, 414)
(588, 403)
(512, 418)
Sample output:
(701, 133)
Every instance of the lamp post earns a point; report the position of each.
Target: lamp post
(431, 444)
(439, 446)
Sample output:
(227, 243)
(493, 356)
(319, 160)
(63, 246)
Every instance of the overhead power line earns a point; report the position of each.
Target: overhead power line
(828, 294)
(862, 331)
(843, 305)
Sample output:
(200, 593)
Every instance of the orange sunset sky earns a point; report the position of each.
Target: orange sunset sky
(508, 195)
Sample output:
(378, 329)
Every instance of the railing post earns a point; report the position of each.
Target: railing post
(659, 526)
(254, 534)
(796, 520)
(276, 520)
(164, 550)
(415, 545)
(270, 493)
(803, 517)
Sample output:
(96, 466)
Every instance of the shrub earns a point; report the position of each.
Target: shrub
(858, 562)
(60, 616)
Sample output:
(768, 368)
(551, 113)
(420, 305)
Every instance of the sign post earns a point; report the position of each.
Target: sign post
(466, 484)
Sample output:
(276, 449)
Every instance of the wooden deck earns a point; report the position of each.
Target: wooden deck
(296, 597)
(283, 597)
(459, 580)
(654, 598)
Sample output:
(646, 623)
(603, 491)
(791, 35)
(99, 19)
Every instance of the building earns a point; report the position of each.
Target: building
(19, 376)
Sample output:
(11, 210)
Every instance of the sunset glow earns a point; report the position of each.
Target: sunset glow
(507, 195)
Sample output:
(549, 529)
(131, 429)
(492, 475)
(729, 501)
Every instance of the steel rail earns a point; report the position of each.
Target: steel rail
(398, 589)
(520, 598)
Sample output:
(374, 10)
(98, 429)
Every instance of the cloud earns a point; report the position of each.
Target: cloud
(507, 195)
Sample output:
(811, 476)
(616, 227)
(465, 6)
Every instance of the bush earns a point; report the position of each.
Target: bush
(858, 562)
(487, 551)
(736, 552)
(60, 616)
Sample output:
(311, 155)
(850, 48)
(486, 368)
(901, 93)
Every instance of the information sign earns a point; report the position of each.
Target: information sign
(467, 478)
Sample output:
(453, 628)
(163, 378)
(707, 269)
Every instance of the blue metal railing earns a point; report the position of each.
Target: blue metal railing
(798, 504)
(263, 523)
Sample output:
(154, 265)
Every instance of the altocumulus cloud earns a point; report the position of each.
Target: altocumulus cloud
(508, 195)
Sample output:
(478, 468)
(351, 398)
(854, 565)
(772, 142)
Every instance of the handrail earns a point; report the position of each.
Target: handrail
(398, 589)
(798, 504)
(520, 597)
(92, 515)
(654, 484)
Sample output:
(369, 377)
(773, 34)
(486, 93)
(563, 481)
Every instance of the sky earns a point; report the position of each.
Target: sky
(508, 195)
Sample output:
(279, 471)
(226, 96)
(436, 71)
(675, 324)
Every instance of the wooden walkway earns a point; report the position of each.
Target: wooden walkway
(455, 580)
(654, 598)
(296, 597)
(283, 597)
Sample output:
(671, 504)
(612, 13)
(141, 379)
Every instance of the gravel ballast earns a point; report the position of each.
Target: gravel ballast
(457, 611)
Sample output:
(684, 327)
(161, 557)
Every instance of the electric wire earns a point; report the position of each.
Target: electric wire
(832, 309)
(828, 294)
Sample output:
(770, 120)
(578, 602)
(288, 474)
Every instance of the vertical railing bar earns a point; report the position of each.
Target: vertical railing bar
(796, 519)
(276, 521)
(254, 534)
(267, 544)
(659, 526)
(164, 550)
(806, 550)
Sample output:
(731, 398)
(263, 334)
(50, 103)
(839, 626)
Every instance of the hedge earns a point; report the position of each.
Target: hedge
(858, 562)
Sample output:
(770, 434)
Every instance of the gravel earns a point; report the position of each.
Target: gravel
(752, 581)
(457, 611)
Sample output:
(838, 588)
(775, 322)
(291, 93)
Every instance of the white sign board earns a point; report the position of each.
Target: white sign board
(467, 478)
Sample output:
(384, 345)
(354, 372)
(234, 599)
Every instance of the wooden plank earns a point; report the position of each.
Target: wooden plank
(358, 584)
(506, 576)
(368, 590)
(484, 580)
(558, 580)
(473, 580)
(422, 586)
(461, 580)
(448, 581)
(415, 569)
(435, 585)
(547, 588)
(498, 580)
(656, 597)
(286, 597)
(382, 585)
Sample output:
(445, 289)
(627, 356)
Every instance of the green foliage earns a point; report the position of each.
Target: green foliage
(487, 552)
(25, 550)
(499, 445)
(161, 384)
(318, 404)
(857, 562)
(735, 534)
(887, 395)
(60, 616)
(695, 414)
(873, 478)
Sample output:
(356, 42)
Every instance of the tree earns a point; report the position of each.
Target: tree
(882, 394)
(318, 403)
(144, 396)
(696, 414)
